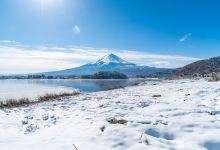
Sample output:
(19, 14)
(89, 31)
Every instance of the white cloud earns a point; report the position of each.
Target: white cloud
(17, 59)
(185, 37)
(161, 64)
(76, 29)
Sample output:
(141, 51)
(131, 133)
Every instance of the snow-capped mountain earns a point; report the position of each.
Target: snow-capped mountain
(109, 62)
(111, 58)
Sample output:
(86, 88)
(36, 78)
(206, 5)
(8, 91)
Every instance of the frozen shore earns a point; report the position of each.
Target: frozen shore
(170, 115)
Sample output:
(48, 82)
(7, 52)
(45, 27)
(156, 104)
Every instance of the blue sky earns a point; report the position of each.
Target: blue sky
(168, 30)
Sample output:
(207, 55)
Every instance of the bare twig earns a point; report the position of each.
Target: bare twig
(75, 147)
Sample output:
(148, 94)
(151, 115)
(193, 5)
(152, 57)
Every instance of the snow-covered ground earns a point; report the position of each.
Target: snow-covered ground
(185, 117)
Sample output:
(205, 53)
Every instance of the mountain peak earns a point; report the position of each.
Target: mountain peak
(111, 58)
(111, 55)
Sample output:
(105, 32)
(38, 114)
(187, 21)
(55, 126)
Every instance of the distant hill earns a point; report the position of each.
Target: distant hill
(200, 67)
(109, 62)
(106, 75)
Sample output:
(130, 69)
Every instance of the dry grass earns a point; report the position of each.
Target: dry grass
(214, 79)
(12, 103)
(116, 121)
(156, 95)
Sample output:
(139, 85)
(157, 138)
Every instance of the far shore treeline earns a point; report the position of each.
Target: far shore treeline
(98, 75)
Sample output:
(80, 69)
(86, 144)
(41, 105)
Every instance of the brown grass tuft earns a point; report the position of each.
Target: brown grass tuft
(12, 103)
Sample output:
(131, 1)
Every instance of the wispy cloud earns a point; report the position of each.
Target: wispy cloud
(20, 59)
(8, 42)
(185, 37)
(76, 29)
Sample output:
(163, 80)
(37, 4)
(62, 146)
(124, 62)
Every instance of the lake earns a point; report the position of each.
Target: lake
(32, 88)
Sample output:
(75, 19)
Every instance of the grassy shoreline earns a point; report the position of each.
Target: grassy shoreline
(13, 103)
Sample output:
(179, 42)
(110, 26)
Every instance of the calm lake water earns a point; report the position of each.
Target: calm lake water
(37, 87)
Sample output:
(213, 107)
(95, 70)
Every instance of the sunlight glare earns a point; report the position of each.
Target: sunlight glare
(47, 5)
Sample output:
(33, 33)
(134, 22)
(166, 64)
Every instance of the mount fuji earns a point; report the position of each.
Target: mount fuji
(109, 62)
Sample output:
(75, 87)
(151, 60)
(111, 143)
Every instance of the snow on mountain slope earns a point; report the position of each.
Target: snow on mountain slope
(111, 58)
(185, 117)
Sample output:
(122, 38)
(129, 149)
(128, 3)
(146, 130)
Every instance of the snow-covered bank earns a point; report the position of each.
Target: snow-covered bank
(185, 116)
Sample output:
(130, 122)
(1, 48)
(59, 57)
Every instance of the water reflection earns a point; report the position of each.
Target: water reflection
(87, 85)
